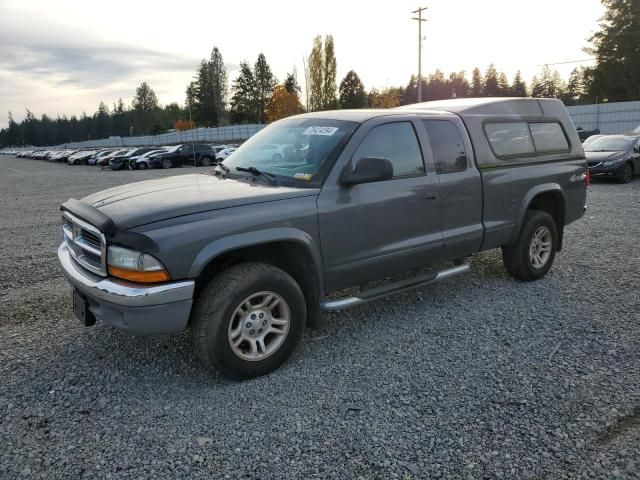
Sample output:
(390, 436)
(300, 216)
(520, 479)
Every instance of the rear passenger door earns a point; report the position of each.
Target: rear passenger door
(460, 195)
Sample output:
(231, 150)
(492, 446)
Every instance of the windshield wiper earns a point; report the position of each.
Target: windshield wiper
(255, 172)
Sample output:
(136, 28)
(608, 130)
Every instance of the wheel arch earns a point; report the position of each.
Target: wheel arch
(289, 249)
(548, 198)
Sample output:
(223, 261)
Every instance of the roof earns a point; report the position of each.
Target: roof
(490, 106)
(487, 106)
(357, 115)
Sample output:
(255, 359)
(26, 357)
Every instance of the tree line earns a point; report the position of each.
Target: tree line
(257, 96)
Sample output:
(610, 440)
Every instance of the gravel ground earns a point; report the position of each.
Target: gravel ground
(477, 377)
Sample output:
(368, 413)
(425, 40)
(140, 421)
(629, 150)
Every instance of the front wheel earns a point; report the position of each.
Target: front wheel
(626, 174)
(532, 255)
(248, 320)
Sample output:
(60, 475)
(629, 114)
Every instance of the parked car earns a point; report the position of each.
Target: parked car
(201, 154)
(80, 158)
(62, 155)
(589, 140)
(249, 254)
(95, 158)
(584, 134)
(104, 161)
(218, 148)
(141, 162)
(121, 161)
(614, 156)
(224, 154)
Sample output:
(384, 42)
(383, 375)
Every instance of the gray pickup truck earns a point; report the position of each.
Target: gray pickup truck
(357, 205)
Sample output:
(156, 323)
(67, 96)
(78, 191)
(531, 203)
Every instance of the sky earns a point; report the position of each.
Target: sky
(65, 56)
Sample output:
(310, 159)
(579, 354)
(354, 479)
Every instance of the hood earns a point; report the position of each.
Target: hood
(150, 201)
(602, 156)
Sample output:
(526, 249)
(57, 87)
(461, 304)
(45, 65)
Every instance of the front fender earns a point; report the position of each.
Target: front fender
(250, 239)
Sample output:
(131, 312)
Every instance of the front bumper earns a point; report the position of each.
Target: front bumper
(136, 308)
(599, 170)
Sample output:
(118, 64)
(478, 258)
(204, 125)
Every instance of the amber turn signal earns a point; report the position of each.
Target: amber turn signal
(154, 276)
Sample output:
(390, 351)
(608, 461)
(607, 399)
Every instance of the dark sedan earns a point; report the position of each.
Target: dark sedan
(614, 156)
(199, 154)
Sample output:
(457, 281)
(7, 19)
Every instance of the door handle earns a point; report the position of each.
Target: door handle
(430, 196)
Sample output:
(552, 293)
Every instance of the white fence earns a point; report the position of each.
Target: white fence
(607, 117)
(212, 135)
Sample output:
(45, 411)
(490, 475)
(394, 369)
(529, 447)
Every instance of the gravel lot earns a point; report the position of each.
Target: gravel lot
(477, 377)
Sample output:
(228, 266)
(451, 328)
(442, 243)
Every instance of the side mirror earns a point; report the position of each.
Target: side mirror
(368, 169)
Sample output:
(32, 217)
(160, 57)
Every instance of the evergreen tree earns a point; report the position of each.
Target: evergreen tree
(352, 94)
(145, 106)
(219, 84)
(491, 87)
(291, 83)
(265, 82)
(574, 90)
(518, 87)
(616, 48)
(503, 85)
(243, 101)
(477, 85)
(410, 94)
(205, 111)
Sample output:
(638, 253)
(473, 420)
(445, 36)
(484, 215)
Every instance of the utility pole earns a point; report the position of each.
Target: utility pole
(420, 20)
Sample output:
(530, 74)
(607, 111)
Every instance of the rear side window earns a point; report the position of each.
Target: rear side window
(396, 142)
(447, 146)
(548, 137)
(509, 139)
(525, 138)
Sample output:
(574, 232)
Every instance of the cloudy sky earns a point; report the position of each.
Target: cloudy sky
(66, 56)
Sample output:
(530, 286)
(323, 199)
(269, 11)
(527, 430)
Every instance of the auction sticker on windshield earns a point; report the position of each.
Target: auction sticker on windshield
(326, 131)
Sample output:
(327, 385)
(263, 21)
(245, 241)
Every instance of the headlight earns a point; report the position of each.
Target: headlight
(607, 163)
(135, 266)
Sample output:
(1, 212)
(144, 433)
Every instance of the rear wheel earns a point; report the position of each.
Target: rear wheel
(166, 163)
(626, 174)
(277, 157)
(206, 162)
(532, 255)
(142, 166)
(248, 320)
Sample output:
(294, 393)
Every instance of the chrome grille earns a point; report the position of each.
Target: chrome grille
(86, 244)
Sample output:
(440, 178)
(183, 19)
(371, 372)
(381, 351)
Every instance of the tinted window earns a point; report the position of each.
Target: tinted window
(548, 137)
(511, 138)
(396, 142)
(447, 146)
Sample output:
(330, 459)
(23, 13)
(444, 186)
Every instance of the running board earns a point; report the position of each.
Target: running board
(332, 305)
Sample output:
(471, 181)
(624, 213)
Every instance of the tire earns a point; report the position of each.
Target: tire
(205, 162)
(519, 259)
(166, 163)
(626, 174)
(276, 157)
(142, 166)
(131, 165)
(217, 315)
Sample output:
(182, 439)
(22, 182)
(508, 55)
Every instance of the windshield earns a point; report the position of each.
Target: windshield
(609, 144)
(296, 151)
(174, 149)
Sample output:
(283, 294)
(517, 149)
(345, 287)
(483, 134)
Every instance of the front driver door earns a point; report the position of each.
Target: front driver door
(372, 230)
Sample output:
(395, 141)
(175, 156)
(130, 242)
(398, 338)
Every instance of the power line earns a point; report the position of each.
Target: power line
(564, 63)
(420, 20)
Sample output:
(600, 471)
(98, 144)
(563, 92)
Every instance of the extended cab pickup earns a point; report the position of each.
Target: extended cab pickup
(249, 253)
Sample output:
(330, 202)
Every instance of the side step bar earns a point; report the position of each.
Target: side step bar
(332, 305)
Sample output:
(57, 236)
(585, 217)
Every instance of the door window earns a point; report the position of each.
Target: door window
(447, 145)
(396, 142)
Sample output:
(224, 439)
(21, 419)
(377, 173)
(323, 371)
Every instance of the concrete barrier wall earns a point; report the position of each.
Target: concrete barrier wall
(607, 117)
(207, 135)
